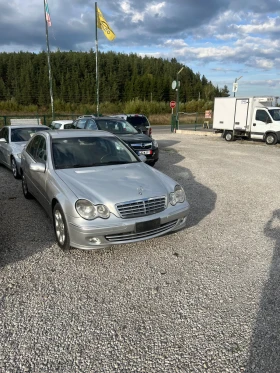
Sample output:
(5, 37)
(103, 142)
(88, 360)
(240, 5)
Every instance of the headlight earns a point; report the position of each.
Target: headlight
(155, 143)
(178, 196)
(89, 211)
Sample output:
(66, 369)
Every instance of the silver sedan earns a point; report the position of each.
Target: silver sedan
(12, 141)
(97, 191)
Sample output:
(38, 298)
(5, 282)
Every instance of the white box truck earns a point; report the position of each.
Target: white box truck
(251, 117)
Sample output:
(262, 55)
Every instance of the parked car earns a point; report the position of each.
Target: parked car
(98, 191)
(12, 140)
(64, 124)
(138, 121)
(140, 143)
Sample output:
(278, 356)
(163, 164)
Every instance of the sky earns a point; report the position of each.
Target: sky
(223, 40)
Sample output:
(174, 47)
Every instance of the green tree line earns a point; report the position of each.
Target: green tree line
(24, 79)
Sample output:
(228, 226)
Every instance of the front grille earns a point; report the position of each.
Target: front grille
(142, 146)
(132, 236)
(142, 207)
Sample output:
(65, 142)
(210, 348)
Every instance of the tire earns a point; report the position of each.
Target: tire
(60, 228)
(271, 139)
(16, 174)
(229, 136)
(152, 163)
(25, 191)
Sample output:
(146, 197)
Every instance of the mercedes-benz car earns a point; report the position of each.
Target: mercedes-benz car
(12, 140)
(139, 142)
(97, 191)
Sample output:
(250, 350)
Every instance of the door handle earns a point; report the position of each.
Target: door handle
(254, 124)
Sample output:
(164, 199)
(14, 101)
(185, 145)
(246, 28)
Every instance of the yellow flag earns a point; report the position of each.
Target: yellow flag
(101, 23)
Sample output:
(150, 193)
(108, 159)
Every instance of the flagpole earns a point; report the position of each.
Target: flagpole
(49, 61)
(96, 56)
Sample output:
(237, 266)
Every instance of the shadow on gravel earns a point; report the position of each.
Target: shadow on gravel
(202, 199)
(265, 343)
(25, 228)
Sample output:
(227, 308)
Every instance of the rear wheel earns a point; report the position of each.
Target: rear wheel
(271, 139)
(25, 191)
(229, 136)
(60, 228)
(15, 169)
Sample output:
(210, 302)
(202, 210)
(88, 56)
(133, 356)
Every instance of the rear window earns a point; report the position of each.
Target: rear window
(138, 121)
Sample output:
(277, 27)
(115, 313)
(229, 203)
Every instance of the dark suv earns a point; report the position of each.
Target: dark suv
(138, 121)
(137, 141)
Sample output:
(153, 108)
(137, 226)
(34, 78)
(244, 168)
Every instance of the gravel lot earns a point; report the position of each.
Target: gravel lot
(203, 300)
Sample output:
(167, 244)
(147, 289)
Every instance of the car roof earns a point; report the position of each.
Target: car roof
(63, 121)
(54, 134)
(26, 126)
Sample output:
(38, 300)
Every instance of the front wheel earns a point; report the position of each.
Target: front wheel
(60, 228)
(229, 136)
(16, 174)
(271, 139)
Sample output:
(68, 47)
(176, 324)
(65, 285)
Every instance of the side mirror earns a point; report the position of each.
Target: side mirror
(268, 120)
(38, 167)
(3, 140)
(142, 157)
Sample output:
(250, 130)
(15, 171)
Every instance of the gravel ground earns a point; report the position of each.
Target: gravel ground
(205, 299)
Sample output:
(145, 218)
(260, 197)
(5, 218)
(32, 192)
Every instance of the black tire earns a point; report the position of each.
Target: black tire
(271, 139)
(25, 191)
(228, 136)
(15, 171)
(152, 163)
(60, 228)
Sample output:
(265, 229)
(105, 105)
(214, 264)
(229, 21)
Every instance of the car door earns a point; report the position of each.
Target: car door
(261, 124)
(40, 178)
(5, 147)
(29, 157)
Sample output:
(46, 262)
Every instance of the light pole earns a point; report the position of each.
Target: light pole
(235, 86)
(177, 97)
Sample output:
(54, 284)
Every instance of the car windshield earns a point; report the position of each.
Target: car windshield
(115, 126)
(90, 152)
(275, 113)
(137, 121)
(25, 133)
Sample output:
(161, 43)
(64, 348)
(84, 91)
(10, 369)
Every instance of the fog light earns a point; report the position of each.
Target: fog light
(95, 240)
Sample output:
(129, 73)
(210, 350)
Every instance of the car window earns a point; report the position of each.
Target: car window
(138, 121)
(116, 126)
(262, 115)
(68, 126)
(41, 153)
(25, 133)
(33, 146)
(55, 125)
(91, 125)
(90, 152)
(81, 123)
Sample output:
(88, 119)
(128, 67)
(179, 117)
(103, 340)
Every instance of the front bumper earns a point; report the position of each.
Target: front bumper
(115, 231)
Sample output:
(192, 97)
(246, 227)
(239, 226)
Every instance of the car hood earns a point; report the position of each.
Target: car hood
(135, 138)
(114, 184)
